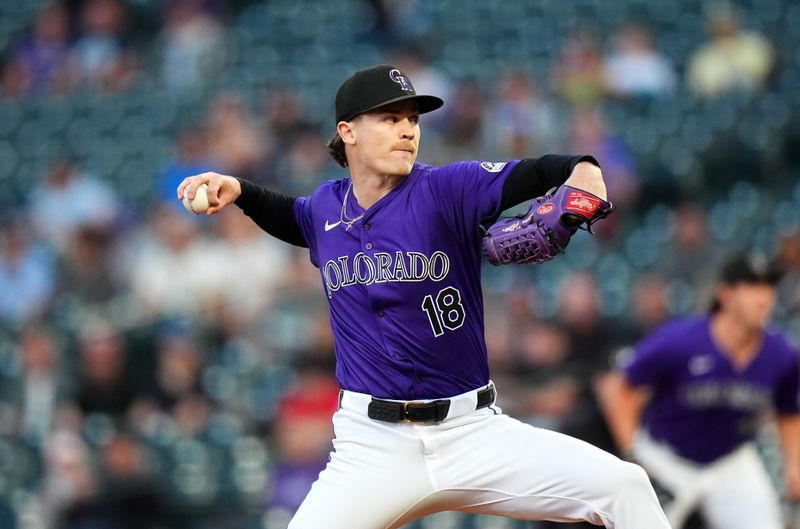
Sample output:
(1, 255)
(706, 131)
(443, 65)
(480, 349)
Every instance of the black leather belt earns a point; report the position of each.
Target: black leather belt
(432, 411)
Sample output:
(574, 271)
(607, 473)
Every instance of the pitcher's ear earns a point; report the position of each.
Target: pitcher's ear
(346, 130)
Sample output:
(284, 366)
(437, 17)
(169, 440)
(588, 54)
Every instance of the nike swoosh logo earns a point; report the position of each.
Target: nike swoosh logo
(329, 227)
(701, 365)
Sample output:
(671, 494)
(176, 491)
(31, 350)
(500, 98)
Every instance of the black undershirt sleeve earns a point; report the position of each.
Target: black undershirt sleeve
(533, 177)
(273, 212)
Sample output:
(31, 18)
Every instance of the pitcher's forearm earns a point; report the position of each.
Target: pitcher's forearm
(588, 177)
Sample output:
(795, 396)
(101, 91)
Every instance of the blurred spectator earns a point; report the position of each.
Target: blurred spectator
(406, 21)
(509, 315)
(27, 275)
(127, 497)
(295, 325)
(67, 199)
(282, 115)
(548, 390)
(304, 165)
(68, 477)
(320, 352)
(463, 128)
(103, 386)
(499, 343)
(235, 142)
(192, 46)
(521, 123)
(591, 340)
(191, 414)
(590, 334)
(732, 59)
(39, 63)
(179, 368)
(688, 256)
(15, 82)
(157, 264)
(84, 271)
(36, 391)
(191, 157)
(261, 264)
(542, 346)
(577, 73)
(302, 435)
(649, 305)
(589, 133)
(283, 124)
(789, 260)
(102, 57)
(635, 69)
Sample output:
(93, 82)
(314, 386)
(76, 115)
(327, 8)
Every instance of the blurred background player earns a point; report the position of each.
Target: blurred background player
(689, 401)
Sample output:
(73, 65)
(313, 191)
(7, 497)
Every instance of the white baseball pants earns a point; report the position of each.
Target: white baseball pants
(383, 475)
(734, 492)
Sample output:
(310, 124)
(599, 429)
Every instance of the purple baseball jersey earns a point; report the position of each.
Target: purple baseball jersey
(403, 283)
(702, 405)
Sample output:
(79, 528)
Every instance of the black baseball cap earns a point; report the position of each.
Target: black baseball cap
(375, 87)
(750, 268)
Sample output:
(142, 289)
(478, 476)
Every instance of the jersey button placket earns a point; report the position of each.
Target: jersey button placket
(369, 246)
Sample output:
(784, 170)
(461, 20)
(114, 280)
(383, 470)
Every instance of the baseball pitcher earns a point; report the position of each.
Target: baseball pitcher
(399, 246)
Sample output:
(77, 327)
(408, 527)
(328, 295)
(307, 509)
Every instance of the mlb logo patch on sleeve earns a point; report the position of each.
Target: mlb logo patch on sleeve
(493, 167)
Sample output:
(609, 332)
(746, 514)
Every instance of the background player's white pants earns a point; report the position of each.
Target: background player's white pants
(733, 492)
(383, 475)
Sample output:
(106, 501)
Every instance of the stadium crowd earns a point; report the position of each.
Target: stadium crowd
(159, 369)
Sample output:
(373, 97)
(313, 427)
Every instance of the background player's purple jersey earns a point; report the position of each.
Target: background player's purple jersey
(702, 406)
(403, 283)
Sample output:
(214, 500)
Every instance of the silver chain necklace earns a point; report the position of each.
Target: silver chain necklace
(347, 221)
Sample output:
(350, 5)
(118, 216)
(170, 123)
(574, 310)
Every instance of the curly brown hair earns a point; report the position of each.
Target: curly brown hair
(336, 150)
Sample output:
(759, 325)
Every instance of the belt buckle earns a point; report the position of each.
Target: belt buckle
(405, 408)
(440, 409)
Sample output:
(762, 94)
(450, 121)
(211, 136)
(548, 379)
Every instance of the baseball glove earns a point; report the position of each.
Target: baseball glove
(545, 229)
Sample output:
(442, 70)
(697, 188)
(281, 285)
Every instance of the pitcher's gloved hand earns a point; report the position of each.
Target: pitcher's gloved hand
(545, 229)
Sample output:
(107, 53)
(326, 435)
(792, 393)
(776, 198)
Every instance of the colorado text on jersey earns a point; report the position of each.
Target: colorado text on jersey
(382, 267)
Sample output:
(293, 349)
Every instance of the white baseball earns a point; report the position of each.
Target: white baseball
(199, 204)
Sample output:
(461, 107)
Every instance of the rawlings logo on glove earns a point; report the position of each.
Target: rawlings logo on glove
(545, 230)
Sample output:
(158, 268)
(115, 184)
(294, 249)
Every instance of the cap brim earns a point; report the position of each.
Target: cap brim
(426, 104)
(741, 272)
(771, 278)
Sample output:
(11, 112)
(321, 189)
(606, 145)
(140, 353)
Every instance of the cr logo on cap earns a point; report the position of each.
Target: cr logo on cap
(396, 76)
